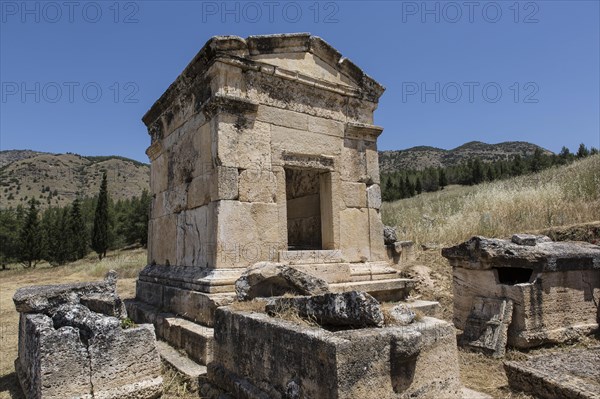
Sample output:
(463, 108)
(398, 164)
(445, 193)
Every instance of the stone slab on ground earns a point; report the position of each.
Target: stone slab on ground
(573, 374)
(395, 289)
(487, 325)
(43, 298)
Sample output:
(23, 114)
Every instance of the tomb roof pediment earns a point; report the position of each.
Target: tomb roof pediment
(307, 58)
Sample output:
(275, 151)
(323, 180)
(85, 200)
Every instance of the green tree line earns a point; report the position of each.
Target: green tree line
(60, 235)
(408, 183)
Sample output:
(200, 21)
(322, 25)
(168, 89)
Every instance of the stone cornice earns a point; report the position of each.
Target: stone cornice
(154, 150)
(239, 51)
(229, 104)
(362, 131)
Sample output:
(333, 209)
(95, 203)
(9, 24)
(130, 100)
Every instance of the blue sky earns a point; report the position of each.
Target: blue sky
(78, 76)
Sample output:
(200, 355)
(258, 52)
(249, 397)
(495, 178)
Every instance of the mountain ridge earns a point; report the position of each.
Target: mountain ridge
(57, 179)
(422, 157)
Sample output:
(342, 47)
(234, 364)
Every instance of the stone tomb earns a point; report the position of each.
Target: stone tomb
(262, 150)
(525, 292)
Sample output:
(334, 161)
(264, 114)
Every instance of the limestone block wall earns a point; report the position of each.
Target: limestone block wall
(243, 114)
(275, 358)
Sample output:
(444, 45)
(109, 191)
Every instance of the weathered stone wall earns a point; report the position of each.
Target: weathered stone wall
(280, 359)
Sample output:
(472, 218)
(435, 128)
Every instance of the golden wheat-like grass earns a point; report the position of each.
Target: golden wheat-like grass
(553, 197)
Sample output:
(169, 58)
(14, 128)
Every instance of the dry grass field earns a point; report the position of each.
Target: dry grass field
(554, 197)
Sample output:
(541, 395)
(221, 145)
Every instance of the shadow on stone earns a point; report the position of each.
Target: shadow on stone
(9, 383)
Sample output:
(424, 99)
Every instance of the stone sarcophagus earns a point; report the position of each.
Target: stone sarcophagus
(263, 149)
(524, 292)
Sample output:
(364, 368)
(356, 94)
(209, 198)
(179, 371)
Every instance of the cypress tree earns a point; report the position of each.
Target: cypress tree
(100, 231)
(77, 232)
(30, 238)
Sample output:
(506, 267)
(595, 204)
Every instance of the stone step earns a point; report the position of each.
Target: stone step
(191, 372)
(427, 308)
(395, 289)
(307, 257)
(196, 340)
(372, 271)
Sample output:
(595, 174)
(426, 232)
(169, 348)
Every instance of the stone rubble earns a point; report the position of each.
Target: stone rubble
(389, 235)
(266, 279)
(402, 314)
(70, 350)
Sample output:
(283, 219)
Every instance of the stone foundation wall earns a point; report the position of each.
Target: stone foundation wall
(281, 359)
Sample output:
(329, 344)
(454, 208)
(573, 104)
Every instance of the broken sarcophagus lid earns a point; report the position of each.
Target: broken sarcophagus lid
(553, 289)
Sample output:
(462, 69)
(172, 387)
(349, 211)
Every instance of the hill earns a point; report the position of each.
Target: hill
(419, 158)
(56, 179)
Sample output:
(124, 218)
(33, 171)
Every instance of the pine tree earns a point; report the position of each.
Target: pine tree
(78, 233)
(30, 238)
(564, 155)
(9, 236)
(490, 173)
(537, 161)
(477, 171)
(418, 186)
(56, 247)
(593, 151)
(100, 233)
(410, 187)
(517, 168)
(443, 180)
(582, 152)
